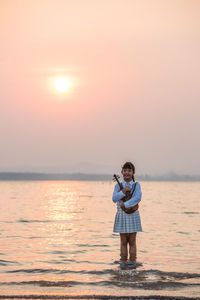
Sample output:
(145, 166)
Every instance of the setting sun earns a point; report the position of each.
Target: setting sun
(62, 84)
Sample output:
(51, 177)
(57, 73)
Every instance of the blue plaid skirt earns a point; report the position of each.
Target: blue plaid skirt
(127, 223)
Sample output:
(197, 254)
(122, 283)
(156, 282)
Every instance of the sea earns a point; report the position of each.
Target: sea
(57, 241)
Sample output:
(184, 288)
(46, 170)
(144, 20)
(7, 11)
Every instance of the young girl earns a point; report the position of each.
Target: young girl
(127, 224)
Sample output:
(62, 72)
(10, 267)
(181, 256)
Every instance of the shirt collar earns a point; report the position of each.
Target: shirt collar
(130, 183)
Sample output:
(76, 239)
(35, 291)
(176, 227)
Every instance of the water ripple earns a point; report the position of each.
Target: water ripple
(149, 285)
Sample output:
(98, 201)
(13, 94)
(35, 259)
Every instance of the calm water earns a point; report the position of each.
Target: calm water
(56, 238)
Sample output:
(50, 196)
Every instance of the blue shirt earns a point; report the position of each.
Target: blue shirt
(118, 195)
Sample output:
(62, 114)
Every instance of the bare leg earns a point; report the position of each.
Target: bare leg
(123, 246)
(132, 246)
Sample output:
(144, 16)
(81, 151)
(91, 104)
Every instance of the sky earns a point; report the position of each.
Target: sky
(133, 68)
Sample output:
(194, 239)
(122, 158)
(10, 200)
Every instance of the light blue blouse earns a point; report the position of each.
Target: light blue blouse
(118, 195)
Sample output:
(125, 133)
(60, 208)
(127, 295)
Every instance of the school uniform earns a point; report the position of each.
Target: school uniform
(127, 223)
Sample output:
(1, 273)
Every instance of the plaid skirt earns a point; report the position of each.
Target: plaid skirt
(127, 223)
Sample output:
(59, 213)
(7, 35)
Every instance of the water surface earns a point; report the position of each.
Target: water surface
(56, 238)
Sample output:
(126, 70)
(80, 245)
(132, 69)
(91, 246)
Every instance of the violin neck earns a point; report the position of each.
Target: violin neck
(120, 185)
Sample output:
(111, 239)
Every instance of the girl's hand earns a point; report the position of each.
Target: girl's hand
(126, 189)
(122, 206)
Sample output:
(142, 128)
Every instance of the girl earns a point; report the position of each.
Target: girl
(127, 224)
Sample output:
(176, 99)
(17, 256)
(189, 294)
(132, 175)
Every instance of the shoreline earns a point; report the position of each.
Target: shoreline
(152, 297)
(39, 176)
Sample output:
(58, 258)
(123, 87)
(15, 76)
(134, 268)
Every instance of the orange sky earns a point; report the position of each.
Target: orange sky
(135, 95)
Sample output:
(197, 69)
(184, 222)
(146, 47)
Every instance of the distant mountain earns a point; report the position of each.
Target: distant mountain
(92, 177)
(53, 176)
(171, 176)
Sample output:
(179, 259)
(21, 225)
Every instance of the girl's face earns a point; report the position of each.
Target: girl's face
(127, 174)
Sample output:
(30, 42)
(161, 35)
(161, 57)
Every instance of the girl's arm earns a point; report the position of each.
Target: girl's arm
(136, 198)
(117, 194)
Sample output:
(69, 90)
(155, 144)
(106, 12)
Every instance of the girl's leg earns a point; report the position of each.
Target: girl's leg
(123, 246)
(132, 246)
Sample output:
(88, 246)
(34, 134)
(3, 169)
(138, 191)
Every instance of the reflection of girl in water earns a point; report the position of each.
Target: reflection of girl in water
(127, 224)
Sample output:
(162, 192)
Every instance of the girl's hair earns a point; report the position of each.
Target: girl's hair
(129, 165)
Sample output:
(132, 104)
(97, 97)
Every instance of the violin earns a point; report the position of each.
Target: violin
(127, 197)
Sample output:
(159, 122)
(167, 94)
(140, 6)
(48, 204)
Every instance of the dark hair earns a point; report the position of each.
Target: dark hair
(129, 165)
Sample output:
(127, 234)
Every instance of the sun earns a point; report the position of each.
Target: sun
(62, 84)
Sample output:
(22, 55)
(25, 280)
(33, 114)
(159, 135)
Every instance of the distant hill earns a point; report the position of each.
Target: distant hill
(6, 176)
(53, 176)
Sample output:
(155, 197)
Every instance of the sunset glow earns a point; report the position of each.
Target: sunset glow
(77, 76)
(62, 84)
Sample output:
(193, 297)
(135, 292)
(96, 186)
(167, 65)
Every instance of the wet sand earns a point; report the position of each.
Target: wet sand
(156, 297)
